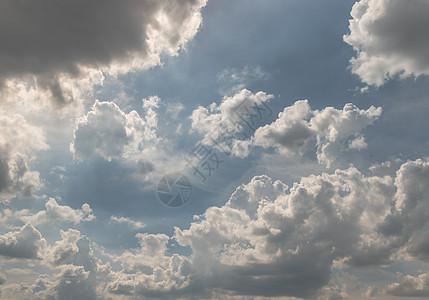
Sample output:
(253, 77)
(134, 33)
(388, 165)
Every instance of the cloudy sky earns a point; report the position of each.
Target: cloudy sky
(194, 149)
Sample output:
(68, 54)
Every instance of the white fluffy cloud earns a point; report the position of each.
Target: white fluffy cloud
(410, 286)
(226, 117)
(25, 243)
(267, 240)
(267, 234)
(390, 39)
(298, 129)
(55, 212)
(18, 143)
(46, 43)
(222, 124)
(111, 133)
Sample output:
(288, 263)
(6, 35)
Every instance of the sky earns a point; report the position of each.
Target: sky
(214, 149)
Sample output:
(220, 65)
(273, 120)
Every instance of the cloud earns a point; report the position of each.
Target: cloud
(47, 44)
(2, 278)
(73, 248)
(18, 143)
(266, 234)
(55, 212)
(410, 286)
(358, 143)
(389, 37)
(235, 126)
(298, 129)
(127, 221)
(74, 257)
(219, 122)
(268, 240)
(25, 243)
(74, 283)
(149, 271)
(109, 132)
(420, 247)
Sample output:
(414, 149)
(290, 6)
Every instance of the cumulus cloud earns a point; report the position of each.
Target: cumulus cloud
(266, 233)
(46, 43)
(232, 127)
(232, 80)
(149, 271)
(109, 132)
(73, 248)
(267, 240)
(218, 122)
(390, 39)
(25, 243)
(127, 221)
(55, 212)
(298, 129)
(74, 257)
(18, 143)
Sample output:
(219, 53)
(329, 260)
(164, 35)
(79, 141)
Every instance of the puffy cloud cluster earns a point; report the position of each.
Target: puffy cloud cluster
(217, 123)
(284, 241)
(73, 257)
(45, 43)
(390, 39)
(18, 143)
(225, 117)
(297, 129)
(25, 243)
(55, 212)
(2, 278)
(149, 270)
(267, 240)
(109, 132)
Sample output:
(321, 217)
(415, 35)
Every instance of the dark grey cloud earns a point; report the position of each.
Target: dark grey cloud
(49, 38)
